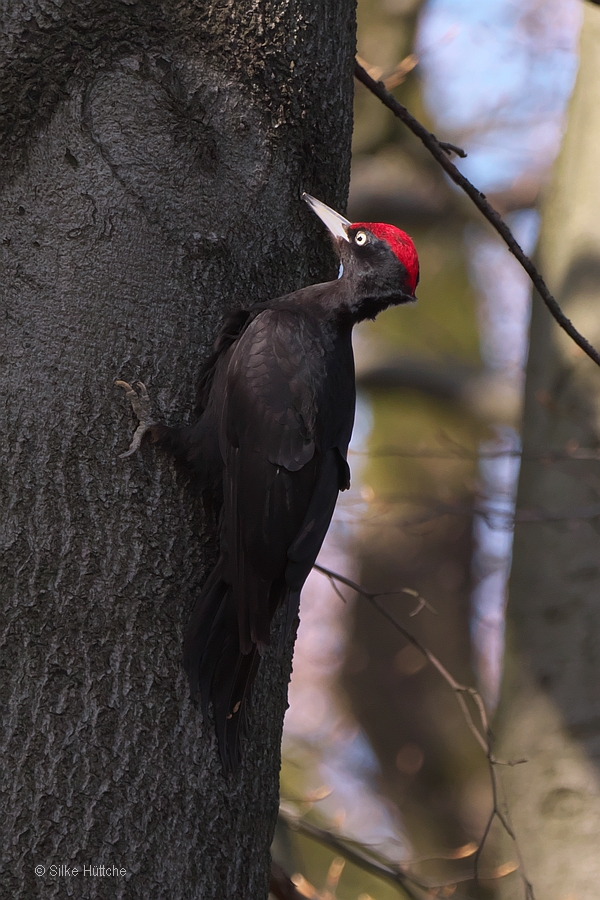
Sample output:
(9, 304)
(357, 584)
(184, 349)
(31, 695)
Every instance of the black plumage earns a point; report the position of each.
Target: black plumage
(275, 412)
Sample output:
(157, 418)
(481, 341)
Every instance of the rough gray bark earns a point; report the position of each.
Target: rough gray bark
(550, 708)
(151, 161)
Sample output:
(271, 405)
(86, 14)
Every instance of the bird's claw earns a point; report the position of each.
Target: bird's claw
(142, 407)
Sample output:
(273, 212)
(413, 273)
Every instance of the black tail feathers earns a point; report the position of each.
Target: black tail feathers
(217, 669)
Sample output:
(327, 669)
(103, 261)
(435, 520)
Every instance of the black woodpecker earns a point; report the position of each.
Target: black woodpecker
(275, 410)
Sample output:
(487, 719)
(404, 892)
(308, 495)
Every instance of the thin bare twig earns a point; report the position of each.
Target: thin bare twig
(360, 859)
(281, 885)
(497, 519)
(378, 865)
(459, 689)
(385, 870)
(482, 734)
(335, 576)
(464, 453)
(440, 153)
(452, 148)
(397, 75)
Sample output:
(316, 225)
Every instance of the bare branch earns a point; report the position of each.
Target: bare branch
(452, 148)
(481, 734)
(335, 576)
(497, 519)
(281, 885)
(440, 153)
(462, 453)
(384, 868)
(459, 689)
(396, 76)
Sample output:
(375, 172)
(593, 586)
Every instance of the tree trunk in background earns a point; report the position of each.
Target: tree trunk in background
(151, 164)
(550, 710)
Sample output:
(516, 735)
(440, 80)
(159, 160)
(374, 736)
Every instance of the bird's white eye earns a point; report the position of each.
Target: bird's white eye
(360, 238)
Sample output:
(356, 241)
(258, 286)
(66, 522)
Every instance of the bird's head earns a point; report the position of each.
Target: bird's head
(380, 261)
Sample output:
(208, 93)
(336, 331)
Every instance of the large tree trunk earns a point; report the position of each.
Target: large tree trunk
(550, 711)
(152, 160)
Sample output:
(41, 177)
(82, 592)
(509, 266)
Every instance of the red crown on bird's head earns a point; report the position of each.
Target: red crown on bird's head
(397, 240)
(400, 244)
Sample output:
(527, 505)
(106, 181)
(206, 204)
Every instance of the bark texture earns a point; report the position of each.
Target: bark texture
(550, 711)
(152, 157)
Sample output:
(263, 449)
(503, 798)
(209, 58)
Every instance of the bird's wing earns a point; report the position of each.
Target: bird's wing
(272, 381)
(334, 476)
(274, 468)
(229, 332)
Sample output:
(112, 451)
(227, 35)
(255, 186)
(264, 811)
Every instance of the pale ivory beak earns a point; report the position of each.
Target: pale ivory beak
(336, 224)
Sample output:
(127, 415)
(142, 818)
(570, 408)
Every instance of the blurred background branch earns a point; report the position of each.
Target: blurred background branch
(439, 151)
(435, 465)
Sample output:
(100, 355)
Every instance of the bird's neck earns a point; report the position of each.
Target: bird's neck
(366, 295)
(342, 303)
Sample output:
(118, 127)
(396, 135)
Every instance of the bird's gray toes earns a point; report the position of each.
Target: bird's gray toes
(140, 403)
(126, 386)
(142, 407)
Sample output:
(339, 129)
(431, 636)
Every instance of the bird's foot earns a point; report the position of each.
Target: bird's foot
(142, 407)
